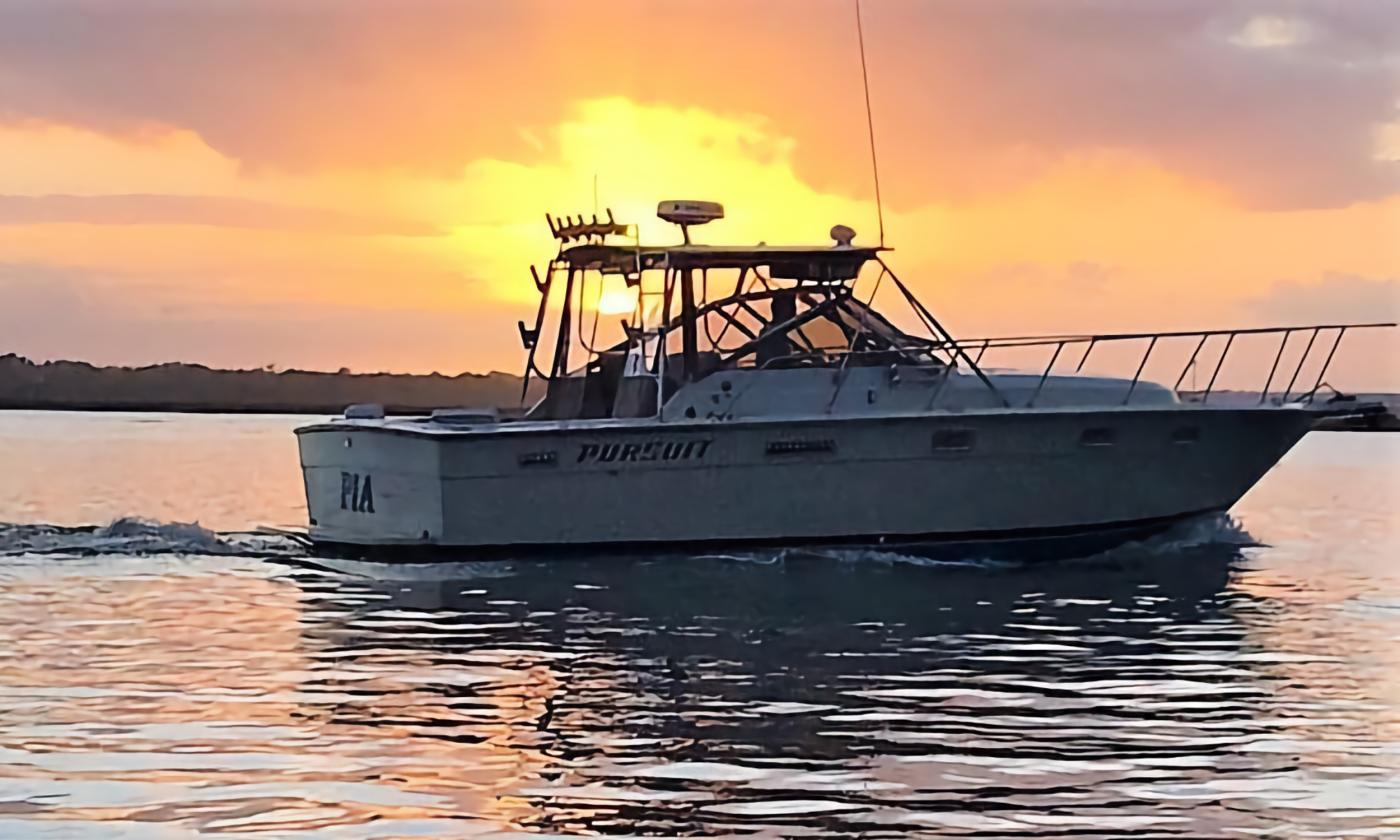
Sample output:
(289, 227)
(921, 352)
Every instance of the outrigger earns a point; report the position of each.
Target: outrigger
(754, 397)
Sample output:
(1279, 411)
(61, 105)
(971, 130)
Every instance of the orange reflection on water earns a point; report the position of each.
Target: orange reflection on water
(192, 695)
(225, 472)
(1319, 608)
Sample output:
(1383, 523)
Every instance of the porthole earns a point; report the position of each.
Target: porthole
(539, 459)
(793, 447)
(954, 440)
(1186, 434)
(1099, 436)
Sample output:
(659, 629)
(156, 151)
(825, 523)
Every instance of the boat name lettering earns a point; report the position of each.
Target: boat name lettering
(652, 450)
(356, 493)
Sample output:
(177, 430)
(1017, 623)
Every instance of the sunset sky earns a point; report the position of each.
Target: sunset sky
(327, 183)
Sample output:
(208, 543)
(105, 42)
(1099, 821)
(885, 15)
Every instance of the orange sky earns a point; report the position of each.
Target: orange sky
(340, 182)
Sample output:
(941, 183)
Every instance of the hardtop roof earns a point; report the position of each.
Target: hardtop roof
(793, 261)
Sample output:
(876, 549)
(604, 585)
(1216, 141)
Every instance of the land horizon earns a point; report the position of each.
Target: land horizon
(61, 384)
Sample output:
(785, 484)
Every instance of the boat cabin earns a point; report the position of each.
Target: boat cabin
(706, 310)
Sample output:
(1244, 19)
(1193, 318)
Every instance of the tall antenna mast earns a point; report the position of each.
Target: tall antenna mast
(870, 126)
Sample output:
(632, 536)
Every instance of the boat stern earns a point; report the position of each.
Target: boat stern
(367, 485)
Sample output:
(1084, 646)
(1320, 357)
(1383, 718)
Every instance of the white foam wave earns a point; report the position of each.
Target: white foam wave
(1211, 529)
(134, 535)
(1204, 531)
(891, 557)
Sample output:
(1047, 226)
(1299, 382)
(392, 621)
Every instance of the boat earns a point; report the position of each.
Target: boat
(755, 395)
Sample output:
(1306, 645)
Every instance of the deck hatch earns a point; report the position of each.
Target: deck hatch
(539, 459)
(954, 440)
(793, 447)
(1098, 436)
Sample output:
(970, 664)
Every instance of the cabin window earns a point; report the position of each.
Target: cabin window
(1186, 434)
(1100, 436)
(791, 447)
(954, 440)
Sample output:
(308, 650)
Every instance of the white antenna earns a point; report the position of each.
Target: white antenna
(870, 126)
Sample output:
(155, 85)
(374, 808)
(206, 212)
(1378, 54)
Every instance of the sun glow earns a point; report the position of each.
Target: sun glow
(165, 223)
(641, 154)
(616, 298)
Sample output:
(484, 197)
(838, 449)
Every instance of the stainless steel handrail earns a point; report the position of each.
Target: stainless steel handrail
(1059, 342)
(1071, 338)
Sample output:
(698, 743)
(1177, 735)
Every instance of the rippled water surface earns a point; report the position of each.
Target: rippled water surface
(162, 680)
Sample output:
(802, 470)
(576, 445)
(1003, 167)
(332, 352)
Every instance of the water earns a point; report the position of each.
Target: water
(159, 680)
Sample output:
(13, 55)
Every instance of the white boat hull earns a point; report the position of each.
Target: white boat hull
(943, 476)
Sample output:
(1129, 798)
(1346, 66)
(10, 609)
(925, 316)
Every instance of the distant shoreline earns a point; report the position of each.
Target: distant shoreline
(26, 385)
(180, 388)
(180, 408)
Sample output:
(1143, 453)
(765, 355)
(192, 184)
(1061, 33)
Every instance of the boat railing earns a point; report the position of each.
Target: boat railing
(976, 349)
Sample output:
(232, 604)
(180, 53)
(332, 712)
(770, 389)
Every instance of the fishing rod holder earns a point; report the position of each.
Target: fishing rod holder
(569, 229)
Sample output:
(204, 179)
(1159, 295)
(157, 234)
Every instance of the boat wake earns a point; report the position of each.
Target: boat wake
(1211, 530)
(134, 535)
(138, 536)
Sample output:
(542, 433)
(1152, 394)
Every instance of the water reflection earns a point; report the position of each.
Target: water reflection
(1168, 690)
(1159, 691)
(88, 468)
(823, 696)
